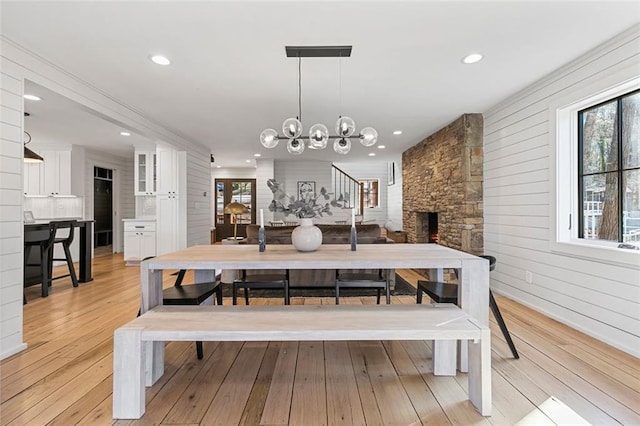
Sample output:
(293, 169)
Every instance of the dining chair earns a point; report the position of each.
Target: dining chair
(441, 292)
(271, 280)
(191, 294)
(363, 280)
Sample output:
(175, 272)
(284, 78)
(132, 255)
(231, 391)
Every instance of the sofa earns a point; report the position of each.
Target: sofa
(331, 234)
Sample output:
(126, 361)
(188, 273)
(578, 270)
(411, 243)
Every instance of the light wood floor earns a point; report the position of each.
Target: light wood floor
(64, 377)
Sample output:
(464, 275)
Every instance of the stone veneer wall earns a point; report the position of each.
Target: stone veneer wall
(443, 174)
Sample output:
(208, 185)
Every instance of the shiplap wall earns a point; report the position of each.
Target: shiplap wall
(11, 230)
(394, 199)
(199, 196)
(599, 299)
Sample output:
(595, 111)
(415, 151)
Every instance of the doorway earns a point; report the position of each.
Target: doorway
(241, 191)
(103, 209)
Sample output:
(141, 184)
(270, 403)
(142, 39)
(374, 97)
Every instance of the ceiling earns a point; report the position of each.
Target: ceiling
(230, 79)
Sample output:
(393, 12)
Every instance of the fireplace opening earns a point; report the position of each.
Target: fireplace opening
(427, 227)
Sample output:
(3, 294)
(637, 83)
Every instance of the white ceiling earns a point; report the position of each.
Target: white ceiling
(229, 78)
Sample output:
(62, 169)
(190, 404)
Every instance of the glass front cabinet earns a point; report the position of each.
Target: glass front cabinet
(145, 173)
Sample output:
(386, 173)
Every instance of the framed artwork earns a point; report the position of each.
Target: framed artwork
(391, 173)
(306, 189)
(28, 216)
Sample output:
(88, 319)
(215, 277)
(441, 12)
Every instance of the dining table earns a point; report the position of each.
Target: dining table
(204, 260)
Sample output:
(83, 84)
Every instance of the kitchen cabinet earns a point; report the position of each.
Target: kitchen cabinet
(56, 170)
(171, 205)
(139, 240)
(33, 179)
(145, 173)
(51, 177)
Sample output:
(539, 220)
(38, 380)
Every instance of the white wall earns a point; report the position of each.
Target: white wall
(11, 229)
(199, 196)
(394, 199)
(371, 170)
(600, 299)
(17, 64)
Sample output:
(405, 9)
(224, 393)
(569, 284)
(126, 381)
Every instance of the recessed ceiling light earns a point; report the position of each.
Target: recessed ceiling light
(472, 58)
(397, 132)
(247, 161)
(257, 155)
(160, 60)
(382, 146)
(32, 97)
(217, 167)
(372, 154)
(125, 133)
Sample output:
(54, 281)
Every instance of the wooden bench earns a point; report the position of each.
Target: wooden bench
(134, 341)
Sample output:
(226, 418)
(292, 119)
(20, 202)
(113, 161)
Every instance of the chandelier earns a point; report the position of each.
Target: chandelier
(319, 136)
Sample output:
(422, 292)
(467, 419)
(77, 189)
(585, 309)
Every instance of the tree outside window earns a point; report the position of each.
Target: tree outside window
(371, 194)
(609, 169)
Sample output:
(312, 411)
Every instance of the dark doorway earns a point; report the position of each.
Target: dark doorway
(241, 191)
(102, 207)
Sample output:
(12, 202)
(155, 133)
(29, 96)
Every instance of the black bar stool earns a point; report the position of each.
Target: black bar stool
(61, 225)
(42, 239)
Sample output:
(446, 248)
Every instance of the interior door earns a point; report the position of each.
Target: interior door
(241, 191)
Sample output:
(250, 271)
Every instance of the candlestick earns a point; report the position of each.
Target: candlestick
(354, 238)
(262, 240)
(261, 218)
(353, 217)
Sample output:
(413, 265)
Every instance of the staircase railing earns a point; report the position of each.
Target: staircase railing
(343, 183)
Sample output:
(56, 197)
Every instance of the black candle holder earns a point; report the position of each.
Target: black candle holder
(262, 240)
(354, 238)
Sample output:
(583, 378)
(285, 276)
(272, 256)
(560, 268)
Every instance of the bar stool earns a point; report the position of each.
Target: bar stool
(61, 225)
(43, 240)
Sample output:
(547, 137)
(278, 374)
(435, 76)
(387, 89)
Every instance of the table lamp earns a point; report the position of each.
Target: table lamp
(235, 209)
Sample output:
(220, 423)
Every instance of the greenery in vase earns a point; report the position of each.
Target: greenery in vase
(310, 206)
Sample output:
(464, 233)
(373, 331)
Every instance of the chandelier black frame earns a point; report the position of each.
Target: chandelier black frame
(318, 133)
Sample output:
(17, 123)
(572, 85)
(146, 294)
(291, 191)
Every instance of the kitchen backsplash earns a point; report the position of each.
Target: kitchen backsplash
(55, 207)
(146, 207)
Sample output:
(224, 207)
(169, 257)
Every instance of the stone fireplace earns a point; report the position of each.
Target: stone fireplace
(427, 227)
(442, 186)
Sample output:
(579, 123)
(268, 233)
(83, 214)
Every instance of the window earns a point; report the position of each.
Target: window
(370, 191)
(575, 170)
(609, 170)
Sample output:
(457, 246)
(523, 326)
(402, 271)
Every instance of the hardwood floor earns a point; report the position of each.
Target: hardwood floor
(64, 377)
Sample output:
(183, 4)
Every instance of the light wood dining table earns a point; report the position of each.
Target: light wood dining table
(473, 276)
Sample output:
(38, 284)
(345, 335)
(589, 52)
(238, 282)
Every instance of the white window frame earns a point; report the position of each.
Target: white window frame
(563, 130)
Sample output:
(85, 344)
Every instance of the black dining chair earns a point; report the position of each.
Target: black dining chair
(441, 292)
(272, 280)
(42, 240)
(190, 294)
(363, 280)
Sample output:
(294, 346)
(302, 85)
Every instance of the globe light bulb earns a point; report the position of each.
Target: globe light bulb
(295, 146)
(345, 126)
(342, 146)
(292, 128)
(368, 136)
(318, 136)
(269, 138)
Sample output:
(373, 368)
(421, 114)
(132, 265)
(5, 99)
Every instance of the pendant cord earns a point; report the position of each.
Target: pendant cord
(300, 88)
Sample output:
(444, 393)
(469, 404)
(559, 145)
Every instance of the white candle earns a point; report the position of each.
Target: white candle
(261, 218)
(353, 217)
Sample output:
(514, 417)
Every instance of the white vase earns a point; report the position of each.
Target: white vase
(306, 236)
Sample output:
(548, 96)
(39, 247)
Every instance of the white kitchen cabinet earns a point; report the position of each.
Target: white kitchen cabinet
(56, 171)
(171, 206)
(139, 240)
(33, 176)
(145, 173)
